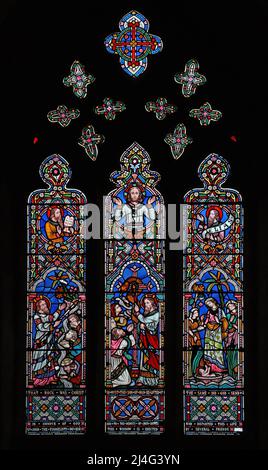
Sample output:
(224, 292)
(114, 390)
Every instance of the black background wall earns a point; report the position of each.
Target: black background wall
(39, 43)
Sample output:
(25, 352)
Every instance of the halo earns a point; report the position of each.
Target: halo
(152, 297)
(134, 184)
(53, 207)
(42, 297)
(216, 208)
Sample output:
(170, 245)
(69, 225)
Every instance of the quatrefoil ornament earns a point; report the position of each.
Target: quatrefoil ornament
(109, 108)
(62, 115)
(178, 140)
(133, 43)
(78, 79)
(89, 140)
(205, 114)
(190, 79)
(160, 107)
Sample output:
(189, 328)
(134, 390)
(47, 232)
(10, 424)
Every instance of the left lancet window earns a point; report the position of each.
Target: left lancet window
(55, 377)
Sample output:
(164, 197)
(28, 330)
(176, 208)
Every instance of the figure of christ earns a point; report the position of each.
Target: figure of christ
(44, 362)
(56, 228)
(134, 212)
(213, 364)
(121, 342)
(148, 322)
(130, 290)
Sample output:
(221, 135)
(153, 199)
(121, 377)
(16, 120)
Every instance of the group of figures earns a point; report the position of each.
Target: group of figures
(57, 353)
(211, 337)
(134, 352)
(213, 354)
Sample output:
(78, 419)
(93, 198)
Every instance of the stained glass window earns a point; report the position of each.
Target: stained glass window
(56, 305)
(135, 292)
(213, 357)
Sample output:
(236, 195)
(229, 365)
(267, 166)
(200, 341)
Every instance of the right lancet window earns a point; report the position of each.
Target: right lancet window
(213, 345)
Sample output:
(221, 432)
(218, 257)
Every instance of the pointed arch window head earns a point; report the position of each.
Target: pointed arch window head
(135, 296)
(55, 377)
(135, 209)
(213, 356)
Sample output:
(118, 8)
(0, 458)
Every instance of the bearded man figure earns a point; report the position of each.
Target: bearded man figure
(148, 338)
(44, 362)
(56, 228)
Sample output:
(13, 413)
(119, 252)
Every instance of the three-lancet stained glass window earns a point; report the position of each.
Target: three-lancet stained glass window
(213, 357)
(135, 292)
(55, 379)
